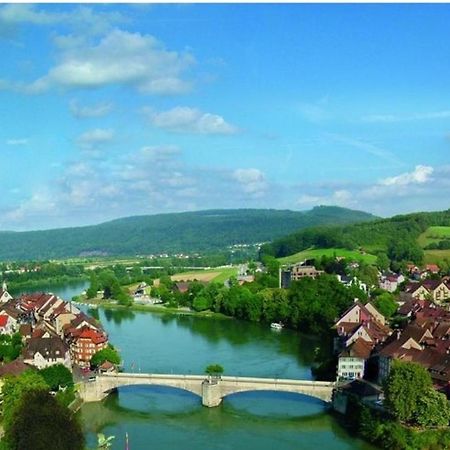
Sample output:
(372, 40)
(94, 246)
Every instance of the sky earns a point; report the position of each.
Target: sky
(118, 110)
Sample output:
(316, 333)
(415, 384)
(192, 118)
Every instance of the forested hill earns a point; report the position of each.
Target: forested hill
(397, 237)
(178, 232)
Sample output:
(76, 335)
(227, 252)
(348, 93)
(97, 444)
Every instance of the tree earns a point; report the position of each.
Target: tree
(93, 288)
(15, 387)
(57, 376)
(383, 261)
(386, 304)
(200, 303)
(41, 423)
(214, 370)
(107, 354)
(404, 388)
(433, 409)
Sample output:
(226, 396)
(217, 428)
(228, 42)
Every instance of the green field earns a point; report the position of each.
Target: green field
(436, 256)
(318, 252)
(217, 274)
(433, 234)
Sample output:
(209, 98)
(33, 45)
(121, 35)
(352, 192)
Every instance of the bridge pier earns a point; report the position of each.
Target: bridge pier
(211, 393)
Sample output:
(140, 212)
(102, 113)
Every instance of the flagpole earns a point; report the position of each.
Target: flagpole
(126, 441)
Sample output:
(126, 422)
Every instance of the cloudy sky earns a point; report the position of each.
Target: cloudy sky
(115, 110)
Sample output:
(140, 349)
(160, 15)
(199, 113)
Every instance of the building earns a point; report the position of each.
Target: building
(436, 290)
(297, 272)
(352, 360)
(85, 343)
(43, 352)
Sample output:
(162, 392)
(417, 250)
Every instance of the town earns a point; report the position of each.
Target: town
(53, 331)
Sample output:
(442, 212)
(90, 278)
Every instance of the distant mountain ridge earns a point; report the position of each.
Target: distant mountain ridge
(199, 231)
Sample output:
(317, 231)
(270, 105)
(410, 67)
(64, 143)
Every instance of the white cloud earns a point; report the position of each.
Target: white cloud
(81, 17)
(421, 174)
(17, 13)
(190, 120)
(97, 110)
(22, 141)
(94, 138)
(390, 118)
(252, 181)
(340, 197)
(119, 58)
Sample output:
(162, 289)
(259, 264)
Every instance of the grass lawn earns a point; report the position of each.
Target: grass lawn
(436, 256)
(217, 274)
(433, 234)
(318, 252)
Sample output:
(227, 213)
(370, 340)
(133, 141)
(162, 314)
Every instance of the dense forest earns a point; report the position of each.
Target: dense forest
(396, 237)
(202, 231)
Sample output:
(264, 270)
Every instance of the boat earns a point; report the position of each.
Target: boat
(276, 325)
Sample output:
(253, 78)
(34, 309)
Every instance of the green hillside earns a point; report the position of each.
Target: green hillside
(201, 231)
(402, 238)
(316, 253)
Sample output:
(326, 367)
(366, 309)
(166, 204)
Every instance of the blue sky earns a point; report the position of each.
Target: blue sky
(115, 110)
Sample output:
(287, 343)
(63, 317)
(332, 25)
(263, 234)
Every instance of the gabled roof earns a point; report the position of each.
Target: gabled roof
(49, 348)
(358, 349)
(90, 334)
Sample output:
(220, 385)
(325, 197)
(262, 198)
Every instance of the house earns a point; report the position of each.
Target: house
(432, 268)
(408, 345)
(25, 331)
(391, 282)
(436, 290)
(352, 360)
(299, 271)
(296, 272)
(14, 368)
(360, 321)
(366, 392)
(60, 316)
(46, 351)
(6, 324)
(359, 313)
(13, 316)
(85, 343)
(181, 287)
(5, 296)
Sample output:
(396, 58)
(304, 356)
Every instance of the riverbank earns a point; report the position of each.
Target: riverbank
(42, 284)
(92, 303)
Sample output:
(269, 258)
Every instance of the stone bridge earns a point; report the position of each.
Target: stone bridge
(211, 390)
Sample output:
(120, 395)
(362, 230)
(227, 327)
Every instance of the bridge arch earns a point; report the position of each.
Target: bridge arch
(211, 391)
(154, 385)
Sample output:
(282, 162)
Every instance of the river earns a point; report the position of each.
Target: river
(165, 419)
(160, 418)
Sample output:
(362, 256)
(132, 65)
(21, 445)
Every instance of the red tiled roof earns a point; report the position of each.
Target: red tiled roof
(3, 320)
(88, 333)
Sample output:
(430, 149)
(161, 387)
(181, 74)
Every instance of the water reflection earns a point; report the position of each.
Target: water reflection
(118, 315)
